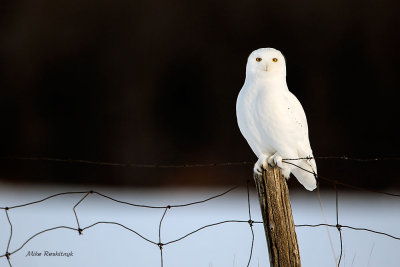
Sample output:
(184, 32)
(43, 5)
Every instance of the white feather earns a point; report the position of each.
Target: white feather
(272, 119)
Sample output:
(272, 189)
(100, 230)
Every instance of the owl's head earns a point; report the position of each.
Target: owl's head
(266, 62)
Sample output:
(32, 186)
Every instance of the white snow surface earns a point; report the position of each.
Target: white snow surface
(222, 245)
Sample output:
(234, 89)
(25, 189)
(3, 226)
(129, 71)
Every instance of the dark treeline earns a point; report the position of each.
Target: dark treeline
(157, 81)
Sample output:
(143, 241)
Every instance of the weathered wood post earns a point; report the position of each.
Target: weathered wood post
(276, 210)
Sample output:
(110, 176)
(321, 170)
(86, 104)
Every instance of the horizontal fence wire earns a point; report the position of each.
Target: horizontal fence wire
(178, 166)
(85, 194)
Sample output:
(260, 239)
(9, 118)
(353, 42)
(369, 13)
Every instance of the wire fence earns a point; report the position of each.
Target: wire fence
(159, 243)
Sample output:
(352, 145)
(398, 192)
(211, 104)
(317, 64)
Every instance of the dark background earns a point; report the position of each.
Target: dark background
(157, 81)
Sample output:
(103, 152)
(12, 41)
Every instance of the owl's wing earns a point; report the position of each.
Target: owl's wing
(296, 112)
(307, 168)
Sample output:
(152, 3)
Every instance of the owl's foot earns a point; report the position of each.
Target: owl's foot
(261, 164)
(275, 159)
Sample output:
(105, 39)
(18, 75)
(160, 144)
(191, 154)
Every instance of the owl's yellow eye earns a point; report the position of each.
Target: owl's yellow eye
(274, 59)
(258, 59)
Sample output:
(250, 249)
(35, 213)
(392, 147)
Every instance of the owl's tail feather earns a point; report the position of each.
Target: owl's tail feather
(306, 173)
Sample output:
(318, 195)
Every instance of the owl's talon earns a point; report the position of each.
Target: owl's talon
(261, 164)
(275, 160)
(257, 169)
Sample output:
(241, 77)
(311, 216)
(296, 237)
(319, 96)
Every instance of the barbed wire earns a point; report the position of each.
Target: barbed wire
(159, 243)
(178, 166)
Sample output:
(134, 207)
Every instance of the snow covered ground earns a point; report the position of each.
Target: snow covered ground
(222, 245)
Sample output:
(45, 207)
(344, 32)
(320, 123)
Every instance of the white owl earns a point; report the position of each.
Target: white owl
(272, 119)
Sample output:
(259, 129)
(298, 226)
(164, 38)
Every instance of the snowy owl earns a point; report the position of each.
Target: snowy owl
(272, 119)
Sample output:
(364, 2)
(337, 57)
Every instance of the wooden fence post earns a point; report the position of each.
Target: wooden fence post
(276, 210)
